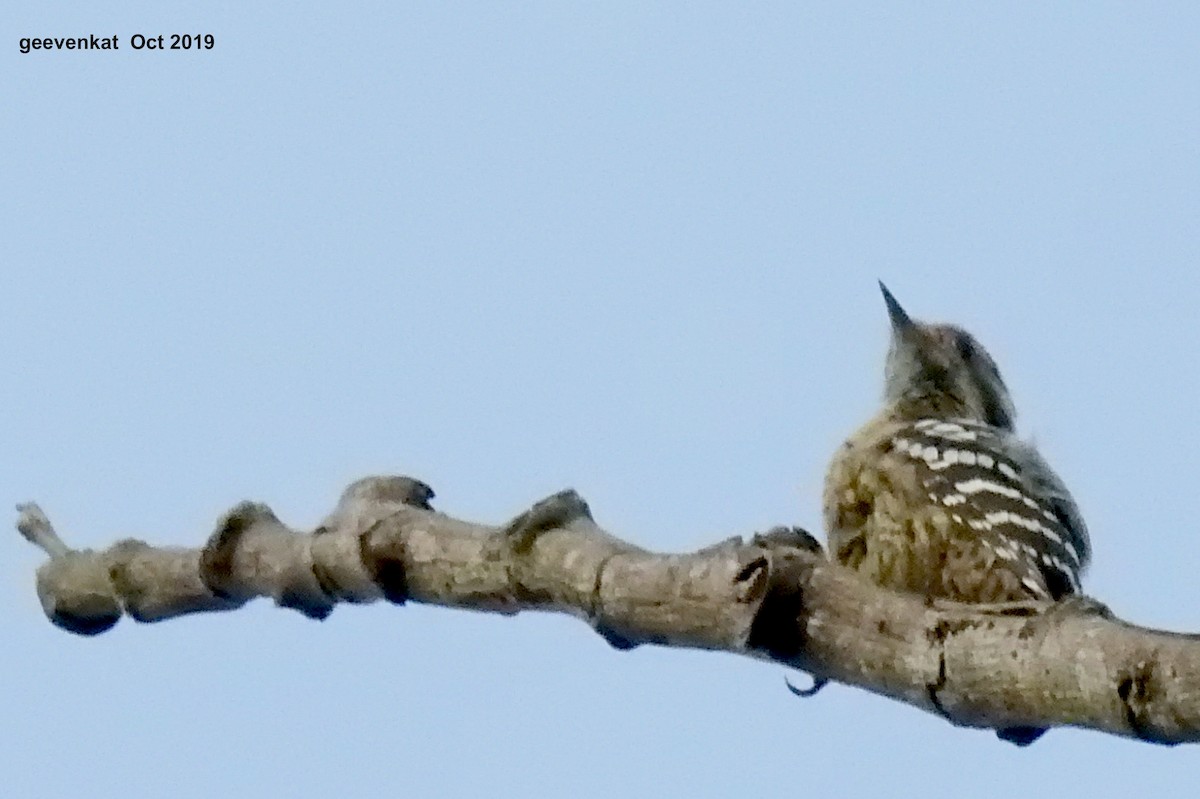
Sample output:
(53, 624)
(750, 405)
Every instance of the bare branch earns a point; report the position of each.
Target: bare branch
(774, 597)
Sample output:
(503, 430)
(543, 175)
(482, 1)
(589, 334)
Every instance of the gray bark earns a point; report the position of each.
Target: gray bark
(774, 597)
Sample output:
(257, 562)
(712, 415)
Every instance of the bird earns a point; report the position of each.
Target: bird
(938, 495)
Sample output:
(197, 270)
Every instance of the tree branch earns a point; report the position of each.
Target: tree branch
(775, 597)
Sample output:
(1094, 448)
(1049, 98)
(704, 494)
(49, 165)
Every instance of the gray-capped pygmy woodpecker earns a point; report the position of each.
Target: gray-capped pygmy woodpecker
(937, 495)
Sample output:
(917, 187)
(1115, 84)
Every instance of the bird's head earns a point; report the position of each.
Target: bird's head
(945, 366)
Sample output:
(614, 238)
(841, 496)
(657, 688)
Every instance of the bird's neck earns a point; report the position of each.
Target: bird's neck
(924, 404)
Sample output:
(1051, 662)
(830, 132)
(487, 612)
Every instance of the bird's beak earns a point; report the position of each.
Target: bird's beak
(900, 320)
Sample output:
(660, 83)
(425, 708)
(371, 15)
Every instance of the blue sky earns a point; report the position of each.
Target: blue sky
(629, 248)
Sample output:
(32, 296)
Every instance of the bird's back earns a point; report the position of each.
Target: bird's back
(952, 508)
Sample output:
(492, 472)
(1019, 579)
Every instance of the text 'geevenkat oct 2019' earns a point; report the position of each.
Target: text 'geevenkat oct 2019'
(138, 41)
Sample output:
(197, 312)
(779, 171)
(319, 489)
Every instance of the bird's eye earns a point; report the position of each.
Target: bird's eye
(966, 347)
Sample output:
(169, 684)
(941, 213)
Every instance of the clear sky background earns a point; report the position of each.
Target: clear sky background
(511, 248)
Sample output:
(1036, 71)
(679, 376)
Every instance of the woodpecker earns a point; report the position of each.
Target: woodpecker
(937, 495)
